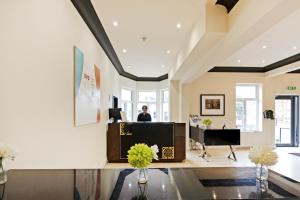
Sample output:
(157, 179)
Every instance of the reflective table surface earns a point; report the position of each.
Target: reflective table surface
(197, 183)
(122, 184)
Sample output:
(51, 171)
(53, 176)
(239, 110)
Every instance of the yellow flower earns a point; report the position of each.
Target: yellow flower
(140, 155)
(263, 155)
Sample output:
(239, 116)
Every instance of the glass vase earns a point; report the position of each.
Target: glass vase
(143, 176)
(262, 172)
(262, 186)
(3, 175)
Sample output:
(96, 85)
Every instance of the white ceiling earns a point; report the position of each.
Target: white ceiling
(280, 41)
(154, 19)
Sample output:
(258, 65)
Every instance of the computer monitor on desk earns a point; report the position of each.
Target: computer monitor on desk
(115, 113)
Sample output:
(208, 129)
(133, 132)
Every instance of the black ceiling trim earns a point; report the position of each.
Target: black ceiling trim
(278, 64)
(295, 72)
(160, 78)
(89, 15)
(282, 62)
(237, 69)
(228, 4)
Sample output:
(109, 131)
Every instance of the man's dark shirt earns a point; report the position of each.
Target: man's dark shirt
(144, 117)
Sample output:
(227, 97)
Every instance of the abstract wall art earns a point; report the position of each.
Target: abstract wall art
(87, 90)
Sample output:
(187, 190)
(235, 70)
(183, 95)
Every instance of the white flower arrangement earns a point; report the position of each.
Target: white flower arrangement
(155, 151)
(7, 152)
(263, 156)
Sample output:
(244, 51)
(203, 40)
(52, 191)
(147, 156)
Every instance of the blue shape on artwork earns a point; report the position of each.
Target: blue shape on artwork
(79, 59)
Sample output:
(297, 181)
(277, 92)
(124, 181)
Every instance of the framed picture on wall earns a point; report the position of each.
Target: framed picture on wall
(212, 105)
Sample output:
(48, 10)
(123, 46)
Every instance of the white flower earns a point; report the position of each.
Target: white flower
(263, 155)
(7, 151)
(155, 150)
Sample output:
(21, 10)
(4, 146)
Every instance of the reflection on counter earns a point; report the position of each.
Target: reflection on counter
(169, 184)
(197, 183)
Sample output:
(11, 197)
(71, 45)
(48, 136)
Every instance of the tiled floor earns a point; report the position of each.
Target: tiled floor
(288, 165)
(218, 158)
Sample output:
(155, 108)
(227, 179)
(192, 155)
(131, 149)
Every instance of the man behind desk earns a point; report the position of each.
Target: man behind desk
(144, 116)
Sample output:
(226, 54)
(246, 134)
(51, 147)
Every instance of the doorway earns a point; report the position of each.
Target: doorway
(286, 121)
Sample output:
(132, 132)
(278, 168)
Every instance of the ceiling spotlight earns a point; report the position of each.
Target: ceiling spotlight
(294, 47)
(264, 47)
(144, 39)
(168, 51)
(238, 60)
(115, 23)
(163, 66)
(178, 25)
(263, 61)
(124, 51)
(129, 66)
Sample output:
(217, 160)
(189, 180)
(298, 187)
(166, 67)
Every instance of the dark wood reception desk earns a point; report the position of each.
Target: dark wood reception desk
(168, 136)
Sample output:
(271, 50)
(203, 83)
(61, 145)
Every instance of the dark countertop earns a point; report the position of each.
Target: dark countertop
(172, 184)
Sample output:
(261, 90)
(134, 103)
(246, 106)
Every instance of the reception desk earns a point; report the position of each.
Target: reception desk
(168, 136)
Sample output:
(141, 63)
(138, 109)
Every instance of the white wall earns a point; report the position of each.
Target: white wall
(37, 81)
(224, 83)
(175, 95)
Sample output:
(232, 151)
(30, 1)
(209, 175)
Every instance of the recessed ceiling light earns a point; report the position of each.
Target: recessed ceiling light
(163, 66)
(129, 66)
(144, 39)
(168, 51)
(238, 60)
(115, 23)
(263, 61)
(178, 25)
(294, 47)
(264, 47)
(124, 51)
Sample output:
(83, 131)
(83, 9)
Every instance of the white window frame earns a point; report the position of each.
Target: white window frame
(162, 103)
(126, 101)
(148, 102)
(258, 99)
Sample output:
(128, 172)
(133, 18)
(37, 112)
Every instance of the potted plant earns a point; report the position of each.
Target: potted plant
(140, 156)
(6, 152)
(207, 122)
(263, 157)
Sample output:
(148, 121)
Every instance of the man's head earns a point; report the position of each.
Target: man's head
(145, 108)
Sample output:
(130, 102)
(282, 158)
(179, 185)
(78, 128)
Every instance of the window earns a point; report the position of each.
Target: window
(147, 98)
(165, 106)
(127, 105)
(248, 107)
